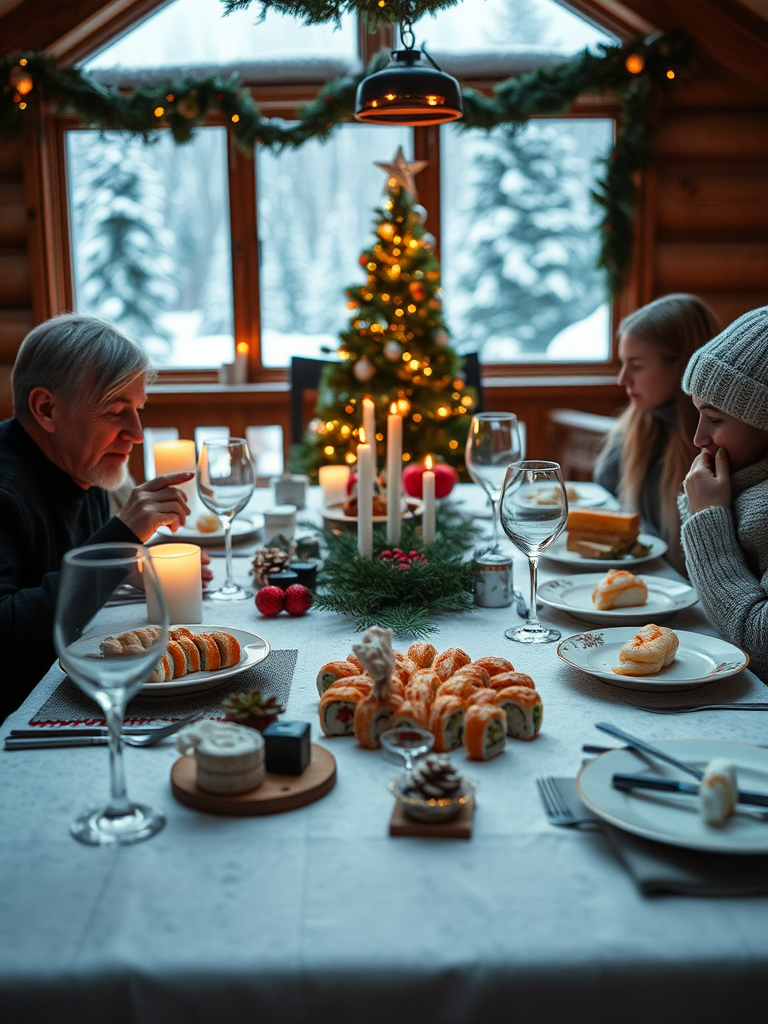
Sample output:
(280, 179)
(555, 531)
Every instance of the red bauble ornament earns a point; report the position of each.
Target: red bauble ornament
(270, 601)
(446, 479)
(297, 599)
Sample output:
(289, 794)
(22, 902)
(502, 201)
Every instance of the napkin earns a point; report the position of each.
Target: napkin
(68, 705)
(659, 869)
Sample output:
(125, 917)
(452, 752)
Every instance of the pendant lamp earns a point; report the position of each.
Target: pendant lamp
(408, 90)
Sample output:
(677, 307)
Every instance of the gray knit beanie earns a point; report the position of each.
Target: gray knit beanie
(731, 371)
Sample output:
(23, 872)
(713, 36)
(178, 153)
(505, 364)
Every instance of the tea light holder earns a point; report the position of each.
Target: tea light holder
(333, 480)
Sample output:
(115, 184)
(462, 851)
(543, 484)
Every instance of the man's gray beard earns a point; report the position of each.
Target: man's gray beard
(110, 478)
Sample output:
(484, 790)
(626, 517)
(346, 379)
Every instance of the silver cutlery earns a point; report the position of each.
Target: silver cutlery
(681, 709)
(558, 806)
(629, 782)
(31, 739)
(647, 748)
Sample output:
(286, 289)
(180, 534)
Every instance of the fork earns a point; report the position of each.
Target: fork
(681, 709)
(28, 739)
(557, 806)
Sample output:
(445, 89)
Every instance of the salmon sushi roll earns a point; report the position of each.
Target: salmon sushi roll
(505, 679)
(362, 683)
(476, 672)
(334, 670)
(427, 677)
(524, 711)
(494, 666)
(373, 716)
(422, 655)
(177, 659)
(413, 714)
(163, 671)
(210, 658)
(485, 731)
(229, 648)
(353, 658)
(486, 695)
(446, 722)
(463, 688)
(337, 710)
(179, 631)
(450, 661)
(419, 691)
(191, 653)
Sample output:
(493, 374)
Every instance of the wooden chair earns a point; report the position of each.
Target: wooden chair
(576, 439)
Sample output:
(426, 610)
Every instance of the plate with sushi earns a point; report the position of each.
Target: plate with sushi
(655, 658)
(618, 597)
(680, 819)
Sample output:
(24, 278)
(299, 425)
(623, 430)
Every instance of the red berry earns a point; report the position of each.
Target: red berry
(297, 599)
(270, 601)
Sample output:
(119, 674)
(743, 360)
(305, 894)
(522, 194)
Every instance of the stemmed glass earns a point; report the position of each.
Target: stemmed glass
(532, 528)
(407, 743)
(81, 635)
(492, 443)
(225, 483)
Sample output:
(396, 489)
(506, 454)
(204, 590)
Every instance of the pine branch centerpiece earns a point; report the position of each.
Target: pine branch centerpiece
(401, 591)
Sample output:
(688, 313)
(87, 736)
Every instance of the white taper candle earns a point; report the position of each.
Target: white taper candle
(394, 474)
(428, 494)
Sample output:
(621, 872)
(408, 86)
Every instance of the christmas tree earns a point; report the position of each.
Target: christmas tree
(396, 348)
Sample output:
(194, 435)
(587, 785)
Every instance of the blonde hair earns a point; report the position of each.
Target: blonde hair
(675, 325)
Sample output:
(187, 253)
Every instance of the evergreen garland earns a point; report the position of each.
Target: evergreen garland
(632, 71)
(376, 12)
(375, 592)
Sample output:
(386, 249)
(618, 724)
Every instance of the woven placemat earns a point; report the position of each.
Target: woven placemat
(68, 705)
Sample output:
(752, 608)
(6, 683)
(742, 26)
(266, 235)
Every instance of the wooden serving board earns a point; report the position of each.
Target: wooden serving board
(459, 827)
(277, 793)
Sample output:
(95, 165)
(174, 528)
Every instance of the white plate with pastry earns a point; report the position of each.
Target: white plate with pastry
(574, 594)
(699, 659)
(675, 818)
(253, 649)
(242, 527)
(581, 494)
(558, 552)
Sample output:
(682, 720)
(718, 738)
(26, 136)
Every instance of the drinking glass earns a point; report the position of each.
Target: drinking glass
(225, 483)
(492, 443)
(89, 577)
(532, 528)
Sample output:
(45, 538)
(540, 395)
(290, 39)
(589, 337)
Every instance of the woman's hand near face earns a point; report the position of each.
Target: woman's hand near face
(708, 482)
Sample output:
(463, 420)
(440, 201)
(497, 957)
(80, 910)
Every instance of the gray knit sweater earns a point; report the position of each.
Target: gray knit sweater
(726, 554)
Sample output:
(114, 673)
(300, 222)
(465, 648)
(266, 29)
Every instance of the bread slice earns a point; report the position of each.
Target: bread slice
(591, 548)
(624, 524)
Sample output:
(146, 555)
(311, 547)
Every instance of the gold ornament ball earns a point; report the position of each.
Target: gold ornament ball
(393, 350)
(363, 370)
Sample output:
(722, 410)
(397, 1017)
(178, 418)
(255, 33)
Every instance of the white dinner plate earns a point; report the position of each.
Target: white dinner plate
(335, 514)
(242, 527)
(573, 594)
(253, 649)
(674, 817)
(581, 494)
(700, 659)
(559, 553)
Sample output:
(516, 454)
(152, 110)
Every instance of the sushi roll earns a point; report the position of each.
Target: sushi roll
(229, 648)
(177, 659)
(337, 710)
(428, 678)
(404, 667)
(524, 711)
(334, 670)
(450, 661)
(191, 653)
(419, 690)
(486, 695)
(210, 657)
(163, 671)
(362, 683)
(505, 679)
(485, 731)
(422, 655)
(494, 666)
(353, 658)
(463, 688)
(413, 714)
(373, 716)
(446, 722)
(474, 672)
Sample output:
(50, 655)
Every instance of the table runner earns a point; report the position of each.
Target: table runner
(68, 705)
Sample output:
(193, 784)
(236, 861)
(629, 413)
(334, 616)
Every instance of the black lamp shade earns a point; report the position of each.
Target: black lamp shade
(408, 92)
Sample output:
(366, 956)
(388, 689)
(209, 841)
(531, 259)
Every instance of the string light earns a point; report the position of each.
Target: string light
(453, 444)
(328, 449)
(159, 111)
(670, 73)
(634, 63)
(350, 458)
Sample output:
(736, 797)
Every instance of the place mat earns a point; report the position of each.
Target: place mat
(659, 869)
(68, 705)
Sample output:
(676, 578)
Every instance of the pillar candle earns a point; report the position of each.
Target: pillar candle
(241, 362)
(428, 493)
(333, 480)
(369, 425)
(177, 457)
(178, 570)
(394, 474)
(364, 498)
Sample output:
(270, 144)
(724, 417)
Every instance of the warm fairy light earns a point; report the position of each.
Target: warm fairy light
(349, 409)
(342, 353)
(414, 364)
(427, 371)
(634, 63)
(388, 204)
(433, 101)
(385, 296)
(396, 251)
(370, 266)
(329, 425)
(416, 417)
(406, 457)
(235, 118)
(455, 396)
(394, 271)
(159, 111)
(397, 239)
(22, 105)
(23, 62)
(442, 411)
(429, 462)
(345, 430)
(242, 348)
(379, 437)
(391, 182)
(411, 308)
(350, 458)
(453, 444)
(406, 356)
(24, 86)
(670, 73)
(462, 409)
(389, 96)
(328, 449)
(399, 312)
(170, 97)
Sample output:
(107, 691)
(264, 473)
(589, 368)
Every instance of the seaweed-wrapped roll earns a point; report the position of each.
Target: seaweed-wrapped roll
(446, 722)
(524, 711)
(485, 731)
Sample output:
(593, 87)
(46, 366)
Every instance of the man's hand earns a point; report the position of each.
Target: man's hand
(156, 503)
(708, 482)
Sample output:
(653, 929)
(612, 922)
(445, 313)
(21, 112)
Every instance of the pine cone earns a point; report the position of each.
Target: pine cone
(435, 777)
(267, 561)
(252, 708)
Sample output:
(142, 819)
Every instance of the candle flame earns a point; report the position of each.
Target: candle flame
(242, 348)
(362, 435)
(428, 462)
(393, 409)
(367, 402)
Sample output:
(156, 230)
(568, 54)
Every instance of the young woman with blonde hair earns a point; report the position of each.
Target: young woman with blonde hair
(648, 453)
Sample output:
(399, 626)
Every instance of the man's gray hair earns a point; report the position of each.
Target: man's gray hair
(75, 357)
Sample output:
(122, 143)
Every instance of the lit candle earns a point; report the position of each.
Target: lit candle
(177, 457)
(428, 494)
(178, 570)
(364, 498)
(241, 362)
(394, 474)
(369, 425)
(333, 480)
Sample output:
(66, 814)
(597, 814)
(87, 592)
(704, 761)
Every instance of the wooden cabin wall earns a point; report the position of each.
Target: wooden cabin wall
(16, 316)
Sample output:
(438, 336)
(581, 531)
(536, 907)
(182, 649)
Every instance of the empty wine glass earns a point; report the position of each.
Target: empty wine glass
(225, 483)
(532, 527)
(492, 443)
(108, 671)
(408, 743)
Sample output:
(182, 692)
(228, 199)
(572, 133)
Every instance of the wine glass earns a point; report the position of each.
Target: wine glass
(532, 527)
(492, 443)
(89, 655)
(407, 743)
(225, 483)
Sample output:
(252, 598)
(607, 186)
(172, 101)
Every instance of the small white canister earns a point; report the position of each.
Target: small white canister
(280, 519)
(291, 489)
(229, 758)
(493, 581)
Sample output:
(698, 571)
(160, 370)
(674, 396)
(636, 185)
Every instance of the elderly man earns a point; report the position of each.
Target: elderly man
(78, 386)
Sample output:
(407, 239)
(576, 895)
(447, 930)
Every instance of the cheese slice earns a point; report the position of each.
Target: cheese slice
(586, 520)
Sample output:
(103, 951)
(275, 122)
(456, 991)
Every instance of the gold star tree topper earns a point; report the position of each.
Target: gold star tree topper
(402, 173)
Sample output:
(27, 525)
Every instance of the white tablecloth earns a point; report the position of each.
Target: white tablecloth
(318, 915)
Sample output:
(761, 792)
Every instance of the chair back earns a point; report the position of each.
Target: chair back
(305, 376)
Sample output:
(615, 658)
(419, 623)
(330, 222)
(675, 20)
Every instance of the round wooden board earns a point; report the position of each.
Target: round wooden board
(276, 794)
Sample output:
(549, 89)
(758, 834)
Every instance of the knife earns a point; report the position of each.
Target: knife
(646, 748)
(39, 742)
(47, 732)
(628, 782)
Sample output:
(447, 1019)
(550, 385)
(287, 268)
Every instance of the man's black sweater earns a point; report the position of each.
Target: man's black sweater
(43, 514)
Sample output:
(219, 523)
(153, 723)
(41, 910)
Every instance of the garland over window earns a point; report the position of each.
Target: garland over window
(633, 72)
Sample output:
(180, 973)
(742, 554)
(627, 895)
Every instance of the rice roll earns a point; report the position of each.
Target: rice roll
(505, 679)
(485, 731)
(362, 683)
(450, 661)
(524, 711)
(373, 716)
(422, 655)
(337, 710)
(494, 666)
(486, 695)
(334, 670)
(446, 722)
(412, 714)
(463, 688)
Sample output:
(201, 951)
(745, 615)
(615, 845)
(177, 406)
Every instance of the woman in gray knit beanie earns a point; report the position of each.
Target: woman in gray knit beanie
(724, 508)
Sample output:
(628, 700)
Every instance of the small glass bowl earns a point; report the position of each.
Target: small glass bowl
(406, 744)
(424, 808)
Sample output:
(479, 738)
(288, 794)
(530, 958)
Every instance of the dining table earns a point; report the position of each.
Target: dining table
(319, 914)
